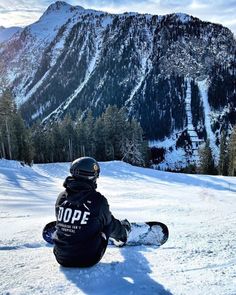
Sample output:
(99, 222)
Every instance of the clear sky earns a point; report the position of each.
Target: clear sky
(24, 12)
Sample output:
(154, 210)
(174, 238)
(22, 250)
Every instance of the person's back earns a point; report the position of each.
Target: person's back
(84, 222)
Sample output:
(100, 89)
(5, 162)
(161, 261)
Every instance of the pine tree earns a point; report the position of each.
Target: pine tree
(15, 138)
(99, 140)
(23, 147)
(109, 120)
(43, 144)
(89, 134)
(80, 135)
(232, 153)
(122, 127)
(207, 165)
(223, 160)
(49, 146)
(68, 136)
(7, 111)
(56, 139)
(36, 139)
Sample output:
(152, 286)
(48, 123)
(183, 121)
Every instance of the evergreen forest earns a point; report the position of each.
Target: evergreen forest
(110, 136)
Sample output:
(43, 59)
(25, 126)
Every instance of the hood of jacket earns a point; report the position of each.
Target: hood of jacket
(78, 189)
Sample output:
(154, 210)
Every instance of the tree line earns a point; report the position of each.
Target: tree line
(15, 138)
(108, 137)
(226, 165)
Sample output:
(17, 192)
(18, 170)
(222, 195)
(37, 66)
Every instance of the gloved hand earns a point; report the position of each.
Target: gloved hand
(126, 225)
(126, 228)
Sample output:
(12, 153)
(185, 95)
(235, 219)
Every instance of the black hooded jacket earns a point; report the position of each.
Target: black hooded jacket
(82, 215)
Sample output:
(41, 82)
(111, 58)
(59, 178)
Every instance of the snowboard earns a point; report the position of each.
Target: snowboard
(151, 233)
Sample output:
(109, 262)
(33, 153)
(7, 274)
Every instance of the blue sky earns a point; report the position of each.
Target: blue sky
(24, 12)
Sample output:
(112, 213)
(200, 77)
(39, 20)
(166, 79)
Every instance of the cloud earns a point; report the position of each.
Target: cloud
(21, 12)
(22, 4)
(218, 11)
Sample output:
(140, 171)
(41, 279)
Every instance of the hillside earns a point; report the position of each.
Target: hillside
(199, 257)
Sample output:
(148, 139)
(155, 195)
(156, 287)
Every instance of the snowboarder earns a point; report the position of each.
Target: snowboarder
(84, 221)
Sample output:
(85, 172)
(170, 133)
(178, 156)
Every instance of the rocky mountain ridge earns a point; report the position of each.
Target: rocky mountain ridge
(7, 33)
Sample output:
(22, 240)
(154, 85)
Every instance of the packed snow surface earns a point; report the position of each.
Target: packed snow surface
(199, 257)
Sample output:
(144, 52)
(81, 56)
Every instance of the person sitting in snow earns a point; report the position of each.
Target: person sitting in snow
(84, 221)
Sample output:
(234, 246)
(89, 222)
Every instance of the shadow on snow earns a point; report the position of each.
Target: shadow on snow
(132, 276)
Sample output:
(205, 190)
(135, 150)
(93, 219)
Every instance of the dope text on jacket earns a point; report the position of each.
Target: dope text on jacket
(68, 215)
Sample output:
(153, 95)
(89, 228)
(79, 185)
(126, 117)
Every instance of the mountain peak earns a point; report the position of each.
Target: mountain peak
(183, 17)
(59, 6)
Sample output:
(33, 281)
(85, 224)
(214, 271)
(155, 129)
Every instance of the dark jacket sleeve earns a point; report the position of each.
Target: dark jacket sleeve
(111, 226)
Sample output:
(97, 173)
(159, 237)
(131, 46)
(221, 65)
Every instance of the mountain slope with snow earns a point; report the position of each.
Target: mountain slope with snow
(162, 69)
(198, 258)
(7, 33)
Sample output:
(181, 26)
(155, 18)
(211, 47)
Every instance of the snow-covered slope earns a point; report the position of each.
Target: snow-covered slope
(7, 33)
(199, 257)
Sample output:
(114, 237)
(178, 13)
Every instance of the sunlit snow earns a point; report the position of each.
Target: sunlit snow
(198, 258)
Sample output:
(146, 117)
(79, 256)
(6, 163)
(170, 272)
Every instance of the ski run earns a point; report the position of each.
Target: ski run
(198, 259)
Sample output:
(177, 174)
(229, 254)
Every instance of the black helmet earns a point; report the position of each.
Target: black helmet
(85, 167)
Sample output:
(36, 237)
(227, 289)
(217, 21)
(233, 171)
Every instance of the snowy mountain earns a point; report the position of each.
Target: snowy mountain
(7, 33)
(174, 73)
(198, 258)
